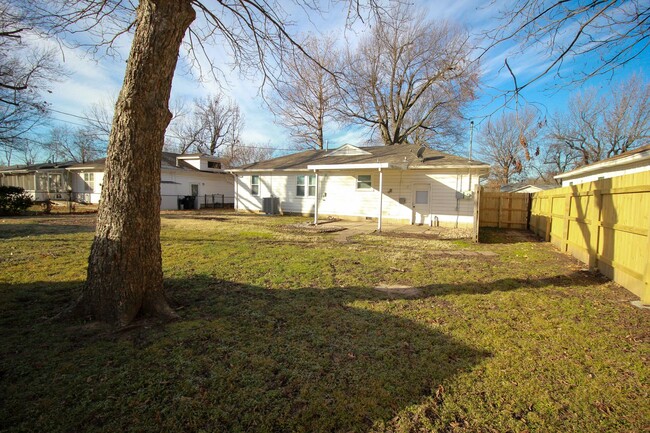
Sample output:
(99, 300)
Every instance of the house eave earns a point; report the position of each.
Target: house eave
(366, 166)
(374, 166)
(606, 164)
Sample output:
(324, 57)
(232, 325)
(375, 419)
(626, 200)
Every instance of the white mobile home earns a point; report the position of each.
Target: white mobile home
(401, 183)
(194, 180)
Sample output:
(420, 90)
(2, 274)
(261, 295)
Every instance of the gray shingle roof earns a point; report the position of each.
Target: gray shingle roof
(398, 154)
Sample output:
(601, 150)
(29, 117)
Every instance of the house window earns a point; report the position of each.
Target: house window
(255, 185)
(89, 181)
(55, 183)
(306, 184)
(363, 181)
(214, 164)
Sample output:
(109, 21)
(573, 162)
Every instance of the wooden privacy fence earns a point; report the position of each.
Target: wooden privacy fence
(605, 224)
(503, 209)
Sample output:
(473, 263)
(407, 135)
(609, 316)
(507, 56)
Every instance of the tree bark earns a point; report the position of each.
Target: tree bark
(125, 264)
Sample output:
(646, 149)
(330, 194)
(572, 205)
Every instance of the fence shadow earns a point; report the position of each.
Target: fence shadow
(491, 235)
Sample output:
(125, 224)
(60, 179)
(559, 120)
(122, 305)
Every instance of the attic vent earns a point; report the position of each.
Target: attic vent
(348, 149)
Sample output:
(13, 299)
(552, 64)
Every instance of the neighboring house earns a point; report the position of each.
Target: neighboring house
(526, 187)
(401, 183)
(634, 161)
(197, 175)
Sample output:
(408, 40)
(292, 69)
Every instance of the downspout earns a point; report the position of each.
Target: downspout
(315, 198)
(469, 169)
(381, 196)
(236, 200)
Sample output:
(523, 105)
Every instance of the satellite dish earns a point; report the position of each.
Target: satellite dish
(421, 152)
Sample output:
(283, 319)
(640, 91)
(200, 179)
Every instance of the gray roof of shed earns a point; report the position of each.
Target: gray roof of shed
(397, 154)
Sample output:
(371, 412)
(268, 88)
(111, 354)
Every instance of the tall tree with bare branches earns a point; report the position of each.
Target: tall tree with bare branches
(214, 124)
(565, 33)
(410, 79)
(304, 101)
(25, 71)
(508, 143)
(125, 265)
(599, 126)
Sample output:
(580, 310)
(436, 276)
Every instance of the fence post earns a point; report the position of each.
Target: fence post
(499, 213)
(549, 219)
(477, 212)
(645, 289)
(596, 214)
(565, 229)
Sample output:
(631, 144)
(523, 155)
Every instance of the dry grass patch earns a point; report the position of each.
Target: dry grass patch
(283, 331)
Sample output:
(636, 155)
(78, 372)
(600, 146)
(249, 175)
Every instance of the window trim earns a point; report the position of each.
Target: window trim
(369, 182)
(255, 191)
(89, 181)
(308, 182)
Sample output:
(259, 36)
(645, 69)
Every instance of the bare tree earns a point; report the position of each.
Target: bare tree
(410, 79)
(506, 143)
(564, 32)
(80, 145)
(554, 159)
(244, 154)
(99, 117)
(125, 264)
(25, 71)
(597, 126)
(304, 101)
(214, 125)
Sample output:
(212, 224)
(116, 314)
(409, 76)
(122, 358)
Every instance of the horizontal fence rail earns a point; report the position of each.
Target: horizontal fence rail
(504, 210)
(605, 224)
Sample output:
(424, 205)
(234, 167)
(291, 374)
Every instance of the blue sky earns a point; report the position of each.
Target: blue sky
(92, 80)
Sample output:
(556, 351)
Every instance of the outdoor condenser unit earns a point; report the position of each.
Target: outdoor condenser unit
(270, 205)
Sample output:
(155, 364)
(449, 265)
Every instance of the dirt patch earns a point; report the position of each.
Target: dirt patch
(506, 236)
(310, 228)
(444, 233)
(399, 290)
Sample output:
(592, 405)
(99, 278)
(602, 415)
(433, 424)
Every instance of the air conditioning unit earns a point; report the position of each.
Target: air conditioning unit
(271, 205)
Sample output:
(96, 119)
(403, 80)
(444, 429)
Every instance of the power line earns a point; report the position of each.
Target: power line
(167, 134)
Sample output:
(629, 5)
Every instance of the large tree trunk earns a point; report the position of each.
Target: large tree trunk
(125, 265)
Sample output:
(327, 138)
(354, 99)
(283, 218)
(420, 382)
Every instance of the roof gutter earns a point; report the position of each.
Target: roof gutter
(632, 159)
(381, 165)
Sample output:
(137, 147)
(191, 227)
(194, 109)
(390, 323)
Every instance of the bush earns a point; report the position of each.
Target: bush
(13, 199)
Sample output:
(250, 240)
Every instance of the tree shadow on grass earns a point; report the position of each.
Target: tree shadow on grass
(51, 225)
(242, 358)
(309, 359)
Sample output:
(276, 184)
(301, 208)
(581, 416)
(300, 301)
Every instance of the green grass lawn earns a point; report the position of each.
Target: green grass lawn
(284, 331)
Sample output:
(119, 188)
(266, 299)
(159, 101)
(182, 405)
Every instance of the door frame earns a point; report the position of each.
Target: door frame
(426, 220)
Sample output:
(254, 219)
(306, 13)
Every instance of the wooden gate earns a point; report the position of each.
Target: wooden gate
(510, 210)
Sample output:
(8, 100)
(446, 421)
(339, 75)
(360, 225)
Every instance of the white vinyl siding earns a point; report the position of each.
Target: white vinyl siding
(178, 184)
(338, 195)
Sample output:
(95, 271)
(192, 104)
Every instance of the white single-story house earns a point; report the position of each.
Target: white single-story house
(633, 161)
(402, 183)
(198, 176)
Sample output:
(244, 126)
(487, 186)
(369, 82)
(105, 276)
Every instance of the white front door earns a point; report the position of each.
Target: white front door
(421, 203)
